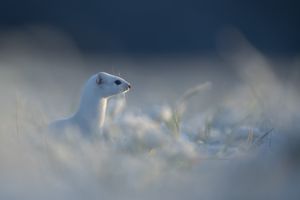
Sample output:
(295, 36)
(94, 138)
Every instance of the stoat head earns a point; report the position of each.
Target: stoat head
(107, 85)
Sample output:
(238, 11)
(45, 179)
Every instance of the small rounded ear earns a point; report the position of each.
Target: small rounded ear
(98, 80)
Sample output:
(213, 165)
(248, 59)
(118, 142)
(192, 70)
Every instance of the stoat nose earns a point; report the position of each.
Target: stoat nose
(129, 86)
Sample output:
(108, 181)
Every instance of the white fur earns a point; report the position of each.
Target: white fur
(90, 116)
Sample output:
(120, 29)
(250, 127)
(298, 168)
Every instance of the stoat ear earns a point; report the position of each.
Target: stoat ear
(99, 80)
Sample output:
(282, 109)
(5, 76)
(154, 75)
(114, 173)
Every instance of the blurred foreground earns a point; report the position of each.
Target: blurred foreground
(193, 128)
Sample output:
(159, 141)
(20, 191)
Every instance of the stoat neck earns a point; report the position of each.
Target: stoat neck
(91, 113)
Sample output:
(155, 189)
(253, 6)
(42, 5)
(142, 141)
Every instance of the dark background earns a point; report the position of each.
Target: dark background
(159, 27)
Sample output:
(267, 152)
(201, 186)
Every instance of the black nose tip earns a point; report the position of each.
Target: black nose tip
(129, 86)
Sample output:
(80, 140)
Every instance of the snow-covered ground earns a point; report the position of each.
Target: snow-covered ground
(196, 128)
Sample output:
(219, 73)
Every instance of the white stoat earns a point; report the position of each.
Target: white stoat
(89, 117)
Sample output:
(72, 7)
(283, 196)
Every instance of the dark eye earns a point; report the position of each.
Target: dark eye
(118, 82)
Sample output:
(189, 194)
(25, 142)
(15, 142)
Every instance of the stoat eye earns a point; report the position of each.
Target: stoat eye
(118, 82)
(99, 80)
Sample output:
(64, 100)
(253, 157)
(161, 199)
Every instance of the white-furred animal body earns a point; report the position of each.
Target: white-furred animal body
(90, 115)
